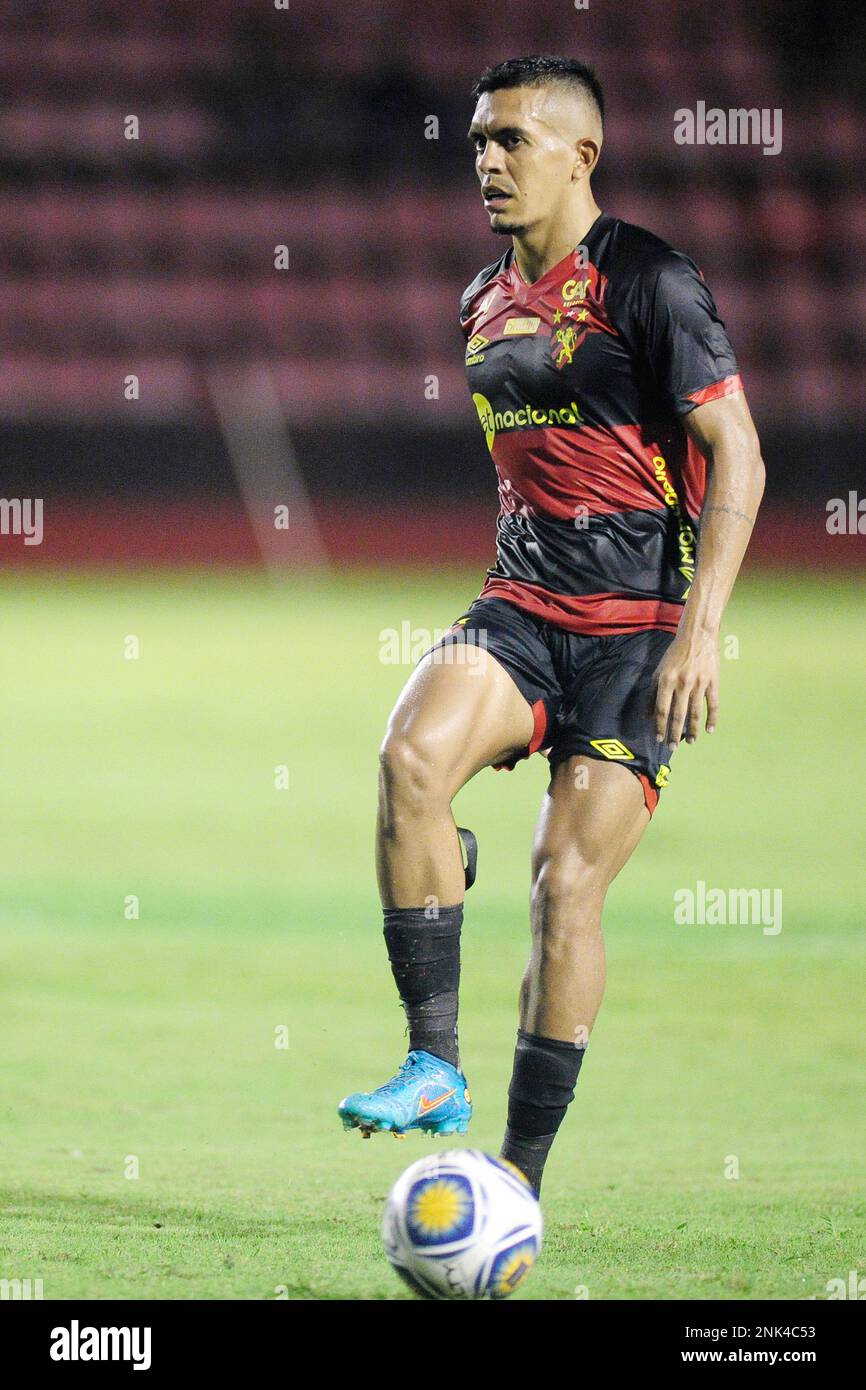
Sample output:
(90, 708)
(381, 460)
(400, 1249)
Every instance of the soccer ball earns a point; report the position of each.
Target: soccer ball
(462, 1225)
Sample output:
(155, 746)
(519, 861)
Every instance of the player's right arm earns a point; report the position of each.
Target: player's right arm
(684, 341)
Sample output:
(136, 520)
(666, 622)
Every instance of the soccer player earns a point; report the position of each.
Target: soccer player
(629, 478)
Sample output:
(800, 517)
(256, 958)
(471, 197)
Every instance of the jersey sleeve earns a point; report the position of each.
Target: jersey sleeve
(481, 281)
(678, 329)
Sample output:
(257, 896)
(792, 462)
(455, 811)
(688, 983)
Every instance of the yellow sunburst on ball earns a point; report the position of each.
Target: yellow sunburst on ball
(439, 1207)
(514, 1269)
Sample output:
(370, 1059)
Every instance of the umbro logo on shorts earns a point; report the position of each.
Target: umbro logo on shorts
(611, 748)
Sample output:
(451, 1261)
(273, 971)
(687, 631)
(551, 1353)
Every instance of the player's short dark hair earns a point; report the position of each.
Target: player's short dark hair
(542, 70)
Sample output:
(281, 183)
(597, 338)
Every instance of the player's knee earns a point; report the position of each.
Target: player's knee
(410, 774)
(567, 894)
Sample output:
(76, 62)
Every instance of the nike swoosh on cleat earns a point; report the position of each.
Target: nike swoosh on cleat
(425, 1105)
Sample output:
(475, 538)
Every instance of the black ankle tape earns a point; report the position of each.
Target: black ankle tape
(428, 923)
(424, 953)
(542, 1085)
(425, 961)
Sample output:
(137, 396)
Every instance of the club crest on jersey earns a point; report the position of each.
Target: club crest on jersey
(568, 341)
(565, 341)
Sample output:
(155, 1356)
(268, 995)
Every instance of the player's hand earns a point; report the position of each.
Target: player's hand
(688, 675)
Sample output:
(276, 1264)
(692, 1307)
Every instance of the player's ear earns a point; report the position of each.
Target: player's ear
(586, 152)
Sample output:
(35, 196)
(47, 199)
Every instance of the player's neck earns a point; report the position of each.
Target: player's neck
(543, 247)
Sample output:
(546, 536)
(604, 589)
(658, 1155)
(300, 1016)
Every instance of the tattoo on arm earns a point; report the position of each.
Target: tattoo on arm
(732, 511)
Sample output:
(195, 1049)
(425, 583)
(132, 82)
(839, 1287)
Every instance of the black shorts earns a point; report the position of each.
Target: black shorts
(589, 695)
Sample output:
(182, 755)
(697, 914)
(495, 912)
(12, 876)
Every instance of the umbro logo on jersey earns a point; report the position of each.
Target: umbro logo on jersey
(477, 342)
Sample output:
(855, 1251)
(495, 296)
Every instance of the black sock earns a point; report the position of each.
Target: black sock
(542, 1087)
(425, 960)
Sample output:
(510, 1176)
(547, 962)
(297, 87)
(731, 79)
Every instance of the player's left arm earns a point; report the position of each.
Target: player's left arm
(688, 676)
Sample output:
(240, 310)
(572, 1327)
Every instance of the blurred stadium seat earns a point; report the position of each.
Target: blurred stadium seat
(155, 255)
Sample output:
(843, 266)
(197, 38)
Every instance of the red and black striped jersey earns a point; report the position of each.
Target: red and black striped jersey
(581, 381)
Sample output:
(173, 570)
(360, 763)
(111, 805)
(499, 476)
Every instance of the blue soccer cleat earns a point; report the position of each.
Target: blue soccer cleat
(426, 1093)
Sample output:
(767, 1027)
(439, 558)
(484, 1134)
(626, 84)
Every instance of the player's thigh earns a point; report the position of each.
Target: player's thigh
(455, 715)
(591, 820)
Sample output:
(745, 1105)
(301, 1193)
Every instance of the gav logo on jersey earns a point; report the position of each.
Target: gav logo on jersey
(525, 417)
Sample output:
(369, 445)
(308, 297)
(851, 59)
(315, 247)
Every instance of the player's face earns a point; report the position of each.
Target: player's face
(523, 159)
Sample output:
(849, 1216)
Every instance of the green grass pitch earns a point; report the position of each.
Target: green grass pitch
(147, 1045)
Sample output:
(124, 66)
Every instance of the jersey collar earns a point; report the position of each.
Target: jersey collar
(527, 292)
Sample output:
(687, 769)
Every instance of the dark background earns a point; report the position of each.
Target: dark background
(306, 127)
